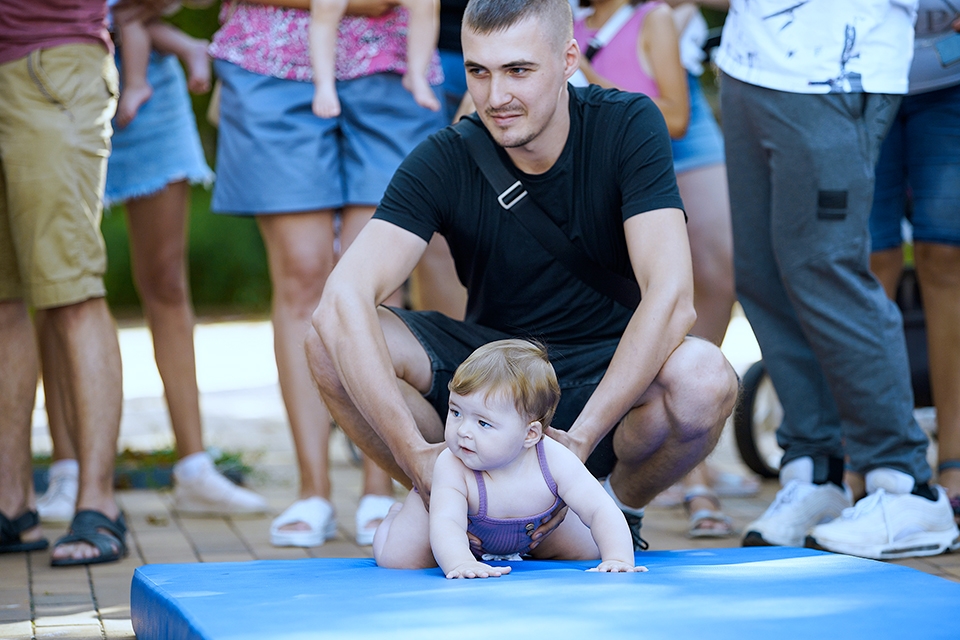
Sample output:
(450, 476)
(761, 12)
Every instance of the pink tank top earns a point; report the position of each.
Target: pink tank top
(618, 60)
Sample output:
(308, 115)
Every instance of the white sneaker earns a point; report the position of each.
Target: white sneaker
(59, 501)
(884, 526)
(370, 513)
(202, 490)
(798, 507)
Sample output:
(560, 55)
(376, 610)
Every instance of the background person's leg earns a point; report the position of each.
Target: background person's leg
(300, 257)
(18, 386)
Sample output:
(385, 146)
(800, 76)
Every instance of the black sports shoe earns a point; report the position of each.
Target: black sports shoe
(635, 522)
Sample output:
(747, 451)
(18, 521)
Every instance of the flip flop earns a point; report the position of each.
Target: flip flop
(10, 530)
(316, 512)
(95, 529)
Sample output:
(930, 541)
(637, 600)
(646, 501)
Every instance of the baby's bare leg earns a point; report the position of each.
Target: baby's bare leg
(191, 51)
(135, 45)
(402, 540)
(324, 19)
(571, 540)
(422, 30)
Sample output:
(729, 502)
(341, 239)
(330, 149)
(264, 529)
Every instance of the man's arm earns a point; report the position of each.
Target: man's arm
(660, 254)
(377, 263)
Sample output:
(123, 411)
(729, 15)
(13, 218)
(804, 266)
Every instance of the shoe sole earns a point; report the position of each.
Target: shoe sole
(302, 538)
(755, 539)
(911, 547)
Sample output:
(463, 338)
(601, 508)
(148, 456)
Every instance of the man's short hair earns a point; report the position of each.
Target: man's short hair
(491, 16)
(519, 368)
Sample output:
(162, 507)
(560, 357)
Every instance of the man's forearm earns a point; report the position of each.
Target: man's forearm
(656, 329)
(351, 333)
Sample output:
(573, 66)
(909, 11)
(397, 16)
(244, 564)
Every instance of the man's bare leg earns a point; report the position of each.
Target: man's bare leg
(676, 423)
(18, 387)
(412, 366)
(86, 340)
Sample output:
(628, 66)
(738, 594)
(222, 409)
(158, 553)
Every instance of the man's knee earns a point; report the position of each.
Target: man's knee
(701, 386)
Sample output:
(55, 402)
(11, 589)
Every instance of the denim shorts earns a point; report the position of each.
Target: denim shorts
(920, 164)
(702, 145)
(275, 156)
(579, 369)
(161, 144)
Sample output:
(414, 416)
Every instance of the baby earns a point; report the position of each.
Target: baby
(499, 479)
(137, 38)
(422, 30)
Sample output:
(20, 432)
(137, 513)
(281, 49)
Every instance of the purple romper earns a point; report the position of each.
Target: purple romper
(505, 537)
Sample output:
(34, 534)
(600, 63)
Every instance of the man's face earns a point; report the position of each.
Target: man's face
(516, 78)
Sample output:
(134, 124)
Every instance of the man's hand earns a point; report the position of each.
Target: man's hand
(421, 473)
(571, 442)
(617, 566)
(549, 524)
(477, 569)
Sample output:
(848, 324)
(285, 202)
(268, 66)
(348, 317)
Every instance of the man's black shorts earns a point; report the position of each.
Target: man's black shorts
(579, 369)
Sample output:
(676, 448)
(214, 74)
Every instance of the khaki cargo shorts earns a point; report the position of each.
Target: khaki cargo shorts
(55, 111)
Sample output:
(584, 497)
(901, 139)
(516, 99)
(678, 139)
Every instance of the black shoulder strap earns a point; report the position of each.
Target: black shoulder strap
(513, 198)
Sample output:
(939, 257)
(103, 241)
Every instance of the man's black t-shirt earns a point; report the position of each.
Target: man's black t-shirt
(617, 163)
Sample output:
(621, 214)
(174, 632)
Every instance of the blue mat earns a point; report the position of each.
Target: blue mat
(764, 593)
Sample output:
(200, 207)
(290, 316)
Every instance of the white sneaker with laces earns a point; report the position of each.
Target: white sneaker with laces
(798, 507)
(884, 526)
(59, 501)
(199, 489)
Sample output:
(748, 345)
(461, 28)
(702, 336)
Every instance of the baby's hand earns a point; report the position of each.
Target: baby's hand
(617, 566)
(477, 569)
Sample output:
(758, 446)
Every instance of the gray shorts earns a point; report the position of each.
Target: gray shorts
(579, 369)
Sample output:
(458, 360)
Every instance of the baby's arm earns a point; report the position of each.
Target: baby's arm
(324, 20)
(423, 30)
(448, 522)
(587, 498)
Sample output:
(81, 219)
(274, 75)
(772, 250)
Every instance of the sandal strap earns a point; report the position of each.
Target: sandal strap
(94, 528)
(10, 530)
(700, 491)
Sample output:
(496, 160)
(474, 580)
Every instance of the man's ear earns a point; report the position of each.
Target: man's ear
(534, 434)
(571, 58)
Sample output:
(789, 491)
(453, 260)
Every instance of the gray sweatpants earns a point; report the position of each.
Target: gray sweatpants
(801, 176)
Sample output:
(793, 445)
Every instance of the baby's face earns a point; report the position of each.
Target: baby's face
(485, 430)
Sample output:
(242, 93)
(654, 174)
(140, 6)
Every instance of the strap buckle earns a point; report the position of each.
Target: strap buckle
(511, 193)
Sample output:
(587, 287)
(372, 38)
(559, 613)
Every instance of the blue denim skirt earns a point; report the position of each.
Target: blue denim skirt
(161, 145)
(702, 145)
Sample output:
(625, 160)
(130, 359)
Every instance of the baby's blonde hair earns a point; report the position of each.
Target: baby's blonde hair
(518, 367)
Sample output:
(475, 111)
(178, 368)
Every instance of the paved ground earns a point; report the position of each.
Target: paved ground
(242, 411)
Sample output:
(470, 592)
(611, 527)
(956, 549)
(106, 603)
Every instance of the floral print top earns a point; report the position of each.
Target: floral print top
(274, 41)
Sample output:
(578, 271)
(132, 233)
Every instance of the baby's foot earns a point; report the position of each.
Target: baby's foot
(421, 90)
(326, 104)
(131, 99)
(198, 67)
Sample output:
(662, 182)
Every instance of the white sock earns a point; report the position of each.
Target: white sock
(890, 480)
(631, 510)
(70, 468)
(193, 465)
